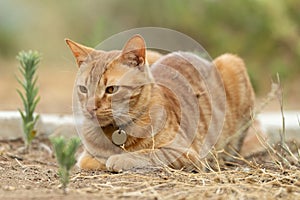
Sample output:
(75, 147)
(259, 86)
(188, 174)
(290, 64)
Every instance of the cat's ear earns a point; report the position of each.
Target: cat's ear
(134, 51)
(79, 51)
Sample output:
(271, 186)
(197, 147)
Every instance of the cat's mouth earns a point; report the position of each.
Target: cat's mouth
(103, 120)
(108, 119)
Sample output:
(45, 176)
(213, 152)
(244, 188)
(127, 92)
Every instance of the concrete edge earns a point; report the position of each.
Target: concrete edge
(48, 124)
(52, 124)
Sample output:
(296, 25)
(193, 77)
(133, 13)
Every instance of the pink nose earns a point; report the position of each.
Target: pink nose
(91, 109)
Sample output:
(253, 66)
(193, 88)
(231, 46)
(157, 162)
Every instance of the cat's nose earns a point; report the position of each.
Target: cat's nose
(91, 109)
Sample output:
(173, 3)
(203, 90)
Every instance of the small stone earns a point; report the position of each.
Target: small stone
(26, 187)
(90, 190)
(9, 188)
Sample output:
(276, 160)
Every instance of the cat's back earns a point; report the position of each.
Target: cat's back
(227, 71)
(182, 67)
(195, 82)
(221, 88)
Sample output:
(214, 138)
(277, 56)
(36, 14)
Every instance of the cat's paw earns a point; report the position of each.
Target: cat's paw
(118, 163)
(123, 162)
(88, 162)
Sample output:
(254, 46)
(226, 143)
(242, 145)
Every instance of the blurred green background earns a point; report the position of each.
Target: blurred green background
(265, 33)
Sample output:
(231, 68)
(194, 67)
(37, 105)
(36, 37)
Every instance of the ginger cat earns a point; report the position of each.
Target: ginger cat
(145, 109)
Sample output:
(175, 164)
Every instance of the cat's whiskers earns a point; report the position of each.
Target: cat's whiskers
(128, 118)
(104, 114)
(123, 120)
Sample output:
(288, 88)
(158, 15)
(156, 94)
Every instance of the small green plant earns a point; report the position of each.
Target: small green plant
(65, 156)
(28, 67)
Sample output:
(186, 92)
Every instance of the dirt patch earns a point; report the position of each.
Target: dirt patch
(34, 176)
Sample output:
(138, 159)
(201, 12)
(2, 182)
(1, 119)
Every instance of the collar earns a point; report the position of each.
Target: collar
(118, 135)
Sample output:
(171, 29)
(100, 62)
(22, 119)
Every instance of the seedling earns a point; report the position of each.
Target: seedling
(28, 67)
(65, 156)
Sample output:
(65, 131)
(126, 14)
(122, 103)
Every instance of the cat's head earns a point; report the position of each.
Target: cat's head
(113, 86)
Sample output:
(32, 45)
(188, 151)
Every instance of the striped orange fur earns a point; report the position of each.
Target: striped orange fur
(143, 93)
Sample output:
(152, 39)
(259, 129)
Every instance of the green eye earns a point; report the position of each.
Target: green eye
(111, 89)
(83, 89)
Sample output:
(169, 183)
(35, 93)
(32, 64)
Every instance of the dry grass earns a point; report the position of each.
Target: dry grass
(239, 182)
(257, 177)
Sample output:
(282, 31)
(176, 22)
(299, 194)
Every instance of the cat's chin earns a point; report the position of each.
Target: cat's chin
(97, 123)
(103, 123)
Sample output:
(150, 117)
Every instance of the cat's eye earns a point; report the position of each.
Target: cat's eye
(111, 89)
(83, 89)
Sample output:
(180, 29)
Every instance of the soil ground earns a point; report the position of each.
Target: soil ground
(34, 176)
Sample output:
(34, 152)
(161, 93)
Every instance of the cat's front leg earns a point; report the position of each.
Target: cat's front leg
(127, 161)
(167, 156)
(88, 162)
